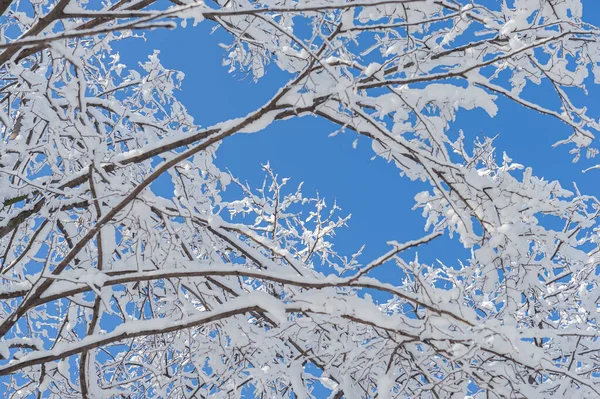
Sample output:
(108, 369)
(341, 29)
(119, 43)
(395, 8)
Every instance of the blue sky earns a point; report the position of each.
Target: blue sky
(379, 200)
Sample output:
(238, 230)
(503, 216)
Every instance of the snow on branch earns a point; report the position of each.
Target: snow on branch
(110, 290)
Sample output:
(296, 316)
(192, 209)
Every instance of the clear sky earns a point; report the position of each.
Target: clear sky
(379, 200)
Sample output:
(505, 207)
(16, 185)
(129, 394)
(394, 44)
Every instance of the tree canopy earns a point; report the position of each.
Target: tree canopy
(110, 290)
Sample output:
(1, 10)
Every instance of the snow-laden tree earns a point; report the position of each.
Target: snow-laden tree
(109, 290)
